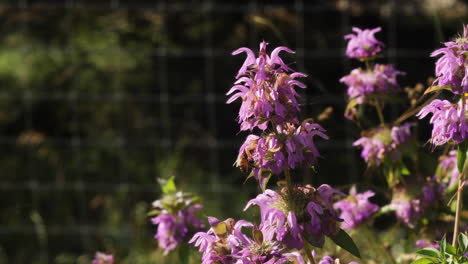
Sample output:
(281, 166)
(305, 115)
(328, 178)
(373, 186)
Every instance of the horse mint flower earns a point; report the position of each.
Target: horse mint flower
(260, 247)
(266, 86)
(381, 142)
(363, 45)
(447, 171)
(214, 243)
(448, 120)
(364, 83)
(356, 208)
(176, 220)
(103, 258)
(407, 210)
(301, 209)
(452, 67)
(289, 147)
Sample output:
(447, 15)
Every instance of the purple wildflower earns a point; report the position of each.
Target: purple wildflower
(291, 147)
(448, 120)
(261, 248)
(432, 193)
(225, 243)
(356, 208)
(363, 83)
(214, 243)
(301, 209)
(407, 210)
(421, 243)
(266, 86)
(103, 258)
(452, 67)
(382, 142)
(363, 44)
(297, 258)
(330, 260)
(448, 170)
(176, 220)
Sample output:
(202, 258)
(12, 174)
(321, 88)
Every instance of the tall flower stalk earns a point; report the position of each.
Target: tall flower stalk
(449, 119)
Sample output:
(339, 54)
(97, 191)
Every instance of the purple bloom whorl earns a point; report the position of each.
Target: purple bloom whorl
(432, 193)
(303, 209)
(448, 170)
(176, 220)
(382, 142)
(102, 258)
(266, 86)
(362, 83)
(452, 67)
(261, 248)
(228, 244)
(356, 208)
(291, 147)
(421, 243)
(214, 244)
(448, 120)
(363, 44)
(407, 210)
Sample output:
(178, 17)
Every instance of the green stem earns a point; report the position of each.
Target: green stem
(376, 244)
(379, 112)
(368, 65)
(308, 252)
(287, 176)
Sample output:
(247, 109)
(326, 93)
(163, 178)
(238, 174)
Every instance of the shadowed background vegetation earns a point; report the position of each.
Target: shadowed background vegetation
(99, 99)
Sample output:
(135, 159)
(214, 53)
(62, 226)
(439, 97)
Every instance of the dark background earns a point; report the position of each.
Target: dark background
(100, 98)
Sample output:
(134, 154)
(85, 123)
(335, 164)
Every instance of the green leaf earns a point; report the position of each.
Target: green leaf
(443, 246)
(184, 254)
(461, 156)
(264, 179)
(153, 213)
(352, 103)
(404, 170)
(463, 242)
(436, 88)
(257, 236)
(450, 250)
(423, 261)
(343, 240)
(429, 252)
(167, 186)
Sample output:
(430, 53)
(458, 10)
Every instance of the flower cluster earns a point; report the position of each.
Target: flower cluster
(175, 219)
(290, 147)
(452, 67)
(296, 257)
(372, 84)
(363, 44)
(266, 86)
(356, 208)
(225, 243)
(448, 171)
(448, 120)
(299, 213)
(410, 209)
(382, 142)
(102, 258)
(364, 83)
(407, 211)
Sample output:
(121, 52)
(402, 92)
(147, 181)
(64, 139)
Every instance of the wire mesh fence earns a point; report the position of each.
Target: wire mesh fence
(98, 96)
